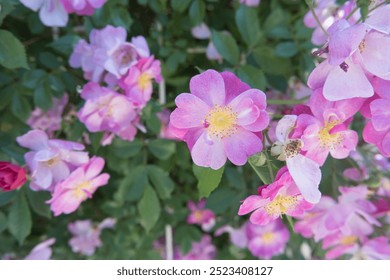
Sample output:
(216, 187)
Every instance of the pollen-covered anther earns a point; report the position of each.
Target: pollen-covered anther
(281, 205)
(221, 121)
(362, 45)
(330, 140)
(292, 148)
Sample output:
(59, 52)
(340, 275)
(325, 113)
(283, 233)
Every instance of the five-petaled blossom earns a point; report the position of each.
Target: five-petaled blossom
(221, 118)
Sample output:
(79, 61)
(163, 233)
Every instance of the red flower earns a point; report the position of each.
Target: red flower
(11, 176)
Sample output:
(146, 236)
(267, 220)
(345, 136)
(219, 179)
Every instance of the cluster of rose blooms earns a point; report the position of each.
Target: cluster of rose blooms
(223, 119)
(55, 13)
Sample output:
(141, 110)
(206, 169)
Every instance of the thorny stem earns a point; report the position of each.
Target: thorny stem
(311, 8)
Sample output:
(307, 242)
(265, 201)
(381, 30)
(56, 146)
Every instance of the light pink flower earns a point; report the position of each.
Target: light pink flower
(78, 187)
(351, 215)
(105, 110)
(282, 197)
(49, 121)
(305, 172)
(201, 31)
(82, 7)
(50, 161)
(201, 216)
(268, 240)
(51, 12)
(250, 3)
(86, 235)
(326, 131)
(202, 250)
(42, 251)
(222, 119)
(353, 53)
(377, 248)
(138, 81)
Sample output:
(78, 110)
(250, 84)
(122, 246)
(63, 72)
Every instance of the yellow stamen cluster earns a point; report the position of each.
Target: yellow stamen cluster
(221, 121)
(327, 140)
(79, 190)
(268, 237)
(281, 205)
(362, 45)
(348, 240)
(144, 80)
(52, 161)
(292, 148)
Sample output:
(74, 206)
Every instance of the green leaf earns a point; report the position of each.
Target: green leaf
(6, 197)
(149, 209)
(252, 76)
(197, 11)
(208, 179)
(133, 185)
(161, 148)
(185, 235)
(42, 96)
(180, 5)
(286, 49)
(5, 8)
(226, 46)
(3, 222)
(269, 63)
(12, 51)
(364, 8)
(221, 200)
(121, 17)
(64, 45)
(161, 181)
(38, 203)
(96, 139)
(247, 22)
(20, 107)
(261, 171)
(19, 219)
(125, 149)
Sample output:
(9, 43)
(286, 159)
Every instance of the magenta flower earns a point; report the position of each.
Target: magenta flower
(105, 110)
(305, 172)
(78, 187)
(268, 240)
(82, 7)
(238, 236)
(282, 197)
(86, 236)
(326, 131)
(221, 119)
(42, 251)
(377, 248)
(201, 216)
(50, 161)
(138, 81)
(49, 121)
(51, 12)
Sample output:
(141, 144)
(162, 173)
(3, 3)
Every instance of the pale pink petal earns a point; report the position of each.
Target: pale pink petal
(34, 139)
(284, 127)
(251, 203)
(191, 111)
(210, 87)
(208, 152)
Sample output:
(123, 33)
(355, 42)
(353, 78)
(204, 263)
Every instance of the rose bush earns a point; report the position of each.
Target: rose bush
(243, 129)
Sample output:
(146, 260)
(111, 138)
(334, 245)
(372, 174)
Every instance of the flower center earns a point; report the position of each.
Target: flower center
(82, 190)
(198, 215)
(144, 80)
(292, 148)
(348, 240)
(328, 140)
(221, 121)
(52, 161)
(362, 45)
(268, 237)
(281, 205)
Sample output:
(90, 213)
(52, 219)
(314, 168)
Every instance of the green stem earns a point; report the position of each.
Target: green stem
(286, 102)
(311, 8)
(352, 12)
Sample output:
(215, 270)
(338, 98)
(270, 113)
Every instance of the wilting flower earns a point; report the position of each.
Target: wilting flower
(82, 7)
(51, 12)
(221, 119)
(305, 172)
(78, 187)
(86, 235)
(201, 216)
(280, 197)
(138, 81)
(48, 121)
(42, 251)
(51, 160)
(11, 176)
